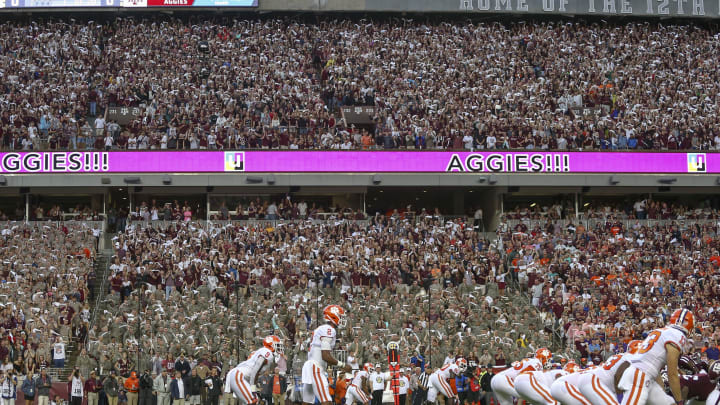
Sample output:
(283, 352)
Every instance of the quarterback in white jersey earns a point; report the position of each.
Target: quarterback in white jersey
(245, 374)
(358, 390)
(438, 381)
(661, 347)
(314, 376)
(503, 384)
(534, 386)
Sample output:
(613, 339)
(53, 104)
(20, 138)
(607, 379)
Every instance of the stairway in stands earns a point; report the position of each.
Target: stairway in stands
(72, 349)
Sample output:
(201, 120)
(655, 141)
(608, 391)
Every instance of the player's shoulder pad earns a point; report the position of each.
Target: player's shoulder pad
(326, 330)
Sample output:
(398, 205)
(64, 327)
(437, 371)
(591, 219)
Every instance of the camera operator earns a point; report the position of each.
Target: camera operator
(8, 387)
(76, 387)
(146, 389)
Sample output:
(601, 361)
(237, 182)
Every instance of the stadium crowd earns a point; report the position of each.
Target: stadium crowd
(162, 280)
(630, 209)
(47, 279)
(181, 291)
(604, 284)
(234, 84)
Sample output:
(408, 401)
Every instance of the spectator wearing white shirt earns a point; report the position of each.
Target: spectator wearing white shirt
(212, 140)
(468, 141)
(177, 390)
(99, 126)
(108, 141)
(272, 211)
(33, 134)
(490, 141)
(143, 141)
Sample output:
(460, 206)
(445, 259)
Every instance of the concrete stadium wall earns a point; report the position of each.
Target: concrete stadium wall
(637, 8)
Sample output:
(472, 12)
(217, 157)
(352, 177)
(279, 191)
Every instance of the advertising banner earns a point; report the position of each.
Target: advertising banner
(356, 162)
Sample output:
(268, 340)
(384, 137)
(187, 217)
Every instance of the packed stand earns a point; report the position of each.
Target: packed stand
(47, 279)
(637, 209)
(269, 83)
(174, 292)
(600, 286)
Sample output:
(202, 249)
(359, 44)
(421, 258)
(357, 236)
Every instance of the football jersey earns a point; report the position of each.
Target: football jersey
(606, 371)
(651, 356)
(254, 363)
(521, 367)
(444, 371)
(323, 338)
(551, 375)
(357, 380)
(699, 386)
(546, 378)
(572, 379)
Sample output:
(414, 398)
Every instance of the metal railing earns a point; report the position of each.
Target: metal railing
(100, 296)
(514, 282)
(592, 223)
(264, 223)
(88, 224)
(209, 224)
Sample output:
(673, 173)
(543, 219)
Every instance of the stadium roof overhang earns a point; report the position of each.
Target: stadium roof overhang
(706, 182)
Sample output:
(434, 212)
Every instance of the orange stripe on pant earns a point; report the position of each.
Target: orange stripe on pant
(239, 382)
(364, 397)
(634, 388)
(641, 378)
(576, 394)
(448, 391)
(544, 394)
(601, 392)
(360, 393)
(319, 385)
(512, 385)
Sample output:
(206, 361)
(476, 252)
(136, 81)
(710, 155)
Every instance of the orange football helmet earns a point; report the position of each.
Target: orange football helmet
(274, 344)
(571, 367)
(335, 314)
(683, 319)
(369, 367)
(543, 354)
(633, 346)
(462, 364)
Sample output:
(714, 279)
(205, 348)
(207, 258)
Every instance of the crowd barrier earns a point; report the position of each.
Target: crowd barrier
(591, 223)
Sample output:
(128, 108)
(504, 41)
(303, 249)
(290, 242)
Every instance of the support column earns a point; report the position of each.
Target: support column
(577, 204)
(207, 206)
(27, 207)
(459, 203)
(490, 203)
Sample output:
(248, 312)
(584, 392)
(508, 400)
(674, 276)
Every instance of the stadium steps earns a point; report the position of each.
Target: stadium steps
(102, 263)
